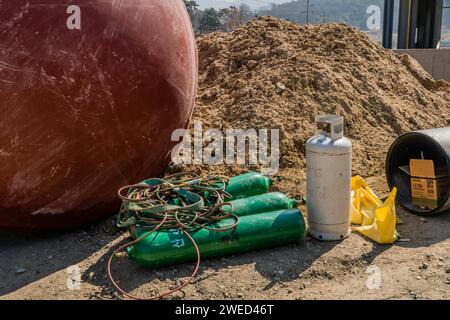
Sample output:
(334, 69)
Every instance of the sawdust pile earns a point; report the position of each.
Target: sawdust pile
(275, 74)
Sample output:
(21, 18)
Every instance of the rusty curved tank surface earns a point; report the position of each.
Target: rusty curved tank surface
(89, 99)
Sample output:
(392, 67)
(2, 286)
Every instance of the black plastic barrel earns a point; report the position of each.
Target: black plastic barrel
(431, 144)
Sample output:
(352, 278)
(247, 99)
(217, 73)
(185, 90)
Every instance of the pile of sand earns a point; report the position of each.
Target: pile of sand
(275, 74)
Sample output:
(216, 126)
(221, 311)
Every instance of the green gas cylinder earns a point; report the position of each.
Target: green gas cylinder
(262, 203)
(253, 232)
(266, 202)
(247, 185)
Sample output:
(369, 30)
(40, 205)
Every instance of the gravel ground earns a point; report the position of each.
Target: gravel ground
(40, 266)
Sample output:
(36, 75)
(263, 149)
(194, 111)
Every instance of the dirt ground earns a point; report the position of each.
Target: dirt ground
(418, 267)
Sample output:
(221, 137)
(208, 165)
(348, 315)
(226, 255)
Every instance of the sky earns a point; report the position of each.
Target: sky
(226, 3)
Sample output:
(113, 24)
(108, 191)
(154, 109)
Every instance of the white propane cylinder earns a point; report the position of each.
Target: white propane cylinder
(329, 169)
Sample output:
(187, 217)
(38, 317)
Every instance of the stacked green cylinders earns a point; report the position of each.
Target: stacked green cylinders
(247, 185)
(267, 202)
(255, 231)
(265, 220)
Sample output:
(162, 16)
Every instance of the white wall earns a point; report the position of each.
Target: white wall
(435, 61)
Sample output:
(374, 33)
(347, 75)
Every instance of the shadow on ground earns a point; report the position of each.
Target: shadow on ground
(279, 264)
(422, 231)
(43, 255)
(27, 258)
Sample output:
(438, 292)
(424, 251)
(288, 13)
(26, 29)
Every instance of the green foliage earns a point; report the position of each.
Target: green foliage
(191, 6)
(210, 21)
(347, 11)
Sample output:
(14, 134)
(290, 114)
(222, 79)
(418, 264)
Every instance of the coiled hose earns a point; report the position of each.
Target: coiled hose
(184, 201)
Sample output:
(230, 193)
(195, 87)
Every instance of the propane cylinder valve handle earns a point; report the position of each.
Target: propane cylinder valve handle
(330, 125)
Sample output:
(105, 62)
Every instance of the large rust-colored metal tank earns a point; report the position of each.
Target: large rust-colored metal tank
(85, 111)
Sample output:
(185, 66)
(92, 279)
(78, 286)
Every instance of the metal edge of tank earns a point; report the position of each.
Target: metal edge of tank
(195, 82)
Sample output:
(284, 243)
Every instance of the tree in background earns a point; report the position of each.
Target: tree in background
(210, 21)
(233, 17)
(346, 11)
(194, 13)
(191, 6)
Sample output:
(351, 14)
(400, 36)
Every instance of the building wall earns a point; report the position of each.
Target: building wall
(435, 61)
